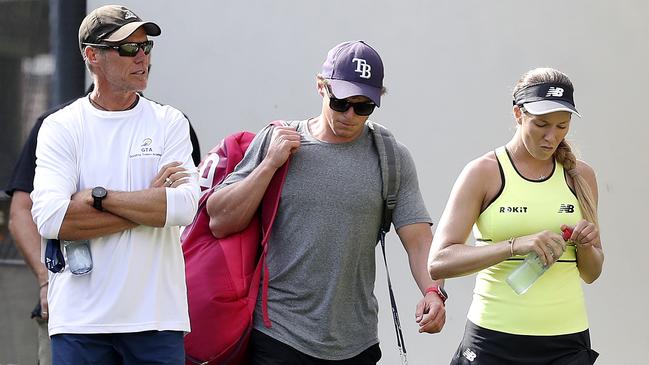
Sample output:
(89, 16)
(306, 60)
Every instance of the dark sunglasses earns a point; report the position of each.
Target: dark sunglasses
(343, 105)
(129, 49)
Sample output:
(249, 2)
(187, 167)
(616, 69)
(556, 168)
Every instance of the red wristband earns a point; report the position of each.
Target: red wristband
(437, 290)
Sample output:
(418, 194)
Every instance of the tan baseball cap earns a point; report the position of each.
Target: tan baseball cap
(112, 23)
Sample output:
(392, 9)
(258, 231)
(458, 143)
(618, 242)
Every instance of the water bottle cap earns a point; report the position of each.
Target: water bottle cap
(567, 233)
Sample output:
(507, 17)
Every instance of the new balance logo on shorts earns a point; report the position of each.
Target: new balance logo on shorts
(566, 208)
(363, 68)
(555, 91)
(470, 355)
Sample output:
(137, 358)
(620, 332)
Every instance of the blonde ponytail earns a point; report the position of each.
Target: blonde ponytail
(585, 196)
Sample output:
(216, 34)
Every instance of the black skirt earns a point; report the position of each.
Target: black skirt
(481, 346)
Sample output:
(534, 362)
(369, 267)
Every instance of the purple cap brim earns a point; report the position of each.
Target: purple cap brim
(550, 106)
(344, 89)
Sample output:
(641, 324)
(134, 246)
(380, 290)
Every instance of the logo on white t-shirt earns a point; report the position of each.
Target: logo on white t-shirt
(146, 148)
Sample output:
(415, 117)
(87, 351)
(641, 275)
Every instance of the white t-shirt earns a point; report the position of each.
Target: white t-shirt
(138, 277)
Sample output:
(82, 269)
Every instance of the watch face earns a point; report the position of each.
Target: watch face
(441, 290)
(99, 192)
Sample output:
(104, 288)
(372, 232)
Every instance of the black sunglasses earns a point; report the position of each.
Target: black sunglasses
(129, 49)
(343, 105)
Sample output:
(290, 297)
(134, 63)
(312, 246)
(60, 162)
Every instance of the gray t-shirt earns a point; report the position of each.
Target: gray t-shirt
(322, 246)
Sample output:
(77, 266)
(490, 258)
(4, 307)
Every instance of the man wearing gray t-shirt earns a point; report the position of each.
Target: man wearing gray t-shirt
(321, 251)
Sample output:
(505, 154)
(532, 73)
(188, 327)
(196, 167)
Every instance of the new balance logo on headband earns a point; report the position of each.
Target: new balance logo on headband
(554, 91)
(546, 97)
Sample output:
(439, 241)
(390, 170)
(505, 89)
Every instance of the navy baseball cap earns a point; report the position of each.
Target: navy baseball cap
(546, 98)
(112, 23)
(354, 68)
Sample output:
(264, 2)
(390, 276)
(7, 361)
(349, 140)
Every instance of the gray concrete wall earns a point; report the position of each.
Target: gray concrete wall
(18, 333)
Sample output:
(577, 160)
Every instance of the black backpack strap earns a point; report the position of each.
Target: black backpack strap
(390, 170)
(391, 178)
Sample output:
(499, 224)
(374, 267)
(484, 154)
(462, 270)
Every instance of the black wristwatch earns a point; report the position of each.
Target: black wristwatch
(98, 194)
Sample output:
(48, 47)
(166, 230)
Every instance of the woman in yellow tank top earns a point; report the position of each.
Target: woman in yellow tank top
(518, 199)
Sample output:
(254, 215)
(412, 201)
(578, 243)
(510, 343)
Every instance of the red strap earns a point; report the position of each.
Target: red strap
(435, 289)
(264, 293)
(269, 206)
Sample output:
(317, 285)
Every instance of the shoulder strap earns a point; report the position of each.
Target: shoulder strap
(391, 177)
(390, 170)
(268, 212)
(270, 201)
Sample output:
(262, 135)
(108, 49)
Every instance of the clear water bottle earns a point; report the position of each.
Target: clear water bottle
(78, 257)
(522, 278)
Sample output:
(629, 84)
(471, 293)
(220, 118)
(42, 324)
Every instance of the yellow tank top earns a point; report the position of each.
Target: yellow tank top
(554, 305)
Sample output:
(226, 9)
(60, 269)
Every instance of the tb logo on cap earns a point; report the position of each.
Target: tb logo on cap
(554, 91)
(363, 68)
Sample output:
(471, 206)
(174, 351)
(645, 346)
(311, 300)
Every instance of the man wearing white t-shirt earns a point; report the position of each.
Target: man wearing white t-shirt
(115, 168)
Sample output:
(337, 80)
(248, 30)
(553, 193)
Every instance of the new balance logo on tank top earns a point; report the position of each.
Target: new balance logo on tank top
(554, 305)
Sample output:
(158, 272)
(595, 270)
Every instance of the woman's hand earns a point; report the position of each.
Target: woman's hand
(584, 234)
(548, 245)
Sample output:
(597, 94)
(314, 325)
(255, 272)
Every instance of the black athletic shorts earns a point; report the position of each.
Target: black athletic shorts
(265, 350)
(481, 346)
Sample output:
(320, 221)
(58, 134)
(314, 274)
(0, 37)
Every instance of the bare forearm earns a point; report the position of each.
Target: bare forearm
(28, 242)
(459, 259)
(589, 262)
(85, 222)
(416, 239)
(26, 236)
(418, 268)
(232, 207)
(145, 207)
